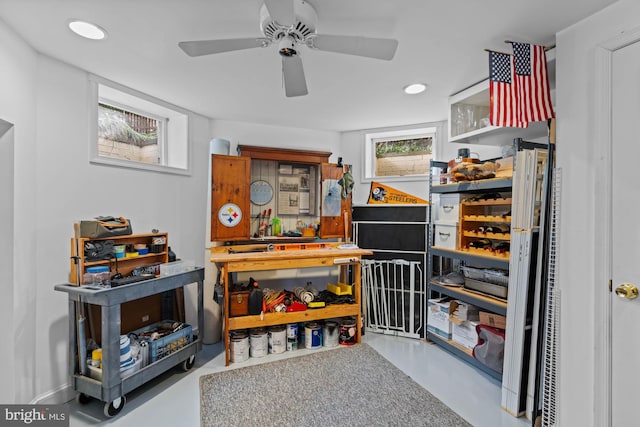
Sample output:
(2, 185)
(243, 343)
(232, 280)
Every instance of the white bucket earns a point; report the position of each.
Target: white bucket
(220, 146)
(259, 342)
(239, 347)
(277, 340)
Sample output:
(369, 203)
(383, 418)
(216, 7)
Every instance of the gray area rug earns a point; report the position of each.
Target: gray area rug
(352, 386)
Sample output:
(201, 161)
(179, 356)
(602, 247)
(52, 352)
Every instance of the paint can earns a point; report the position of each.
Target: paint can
(277, 339)
(292, 344)
(312, 336)
(292, 330)
(239, 347)
(330, 333)
(259, 342)
(347, 332)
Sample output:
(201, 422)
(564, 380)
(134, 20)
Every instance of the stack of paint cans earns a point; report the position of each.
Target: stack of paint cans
(292, 336)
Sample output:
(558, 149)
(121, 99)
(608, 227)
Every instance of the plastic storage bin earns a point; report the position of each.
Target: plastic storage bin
(97, 277)
(167, 344)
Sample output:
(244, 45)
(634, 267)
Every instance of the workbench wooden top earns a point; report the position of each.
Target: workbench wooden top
(282, 255)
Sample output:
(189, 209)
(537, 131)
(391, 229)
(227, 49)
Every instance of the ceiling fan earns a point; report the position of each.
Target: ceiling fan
(291, 24)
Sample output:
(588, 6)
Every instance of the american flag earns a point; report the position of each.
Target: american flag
(532, 80)
(504, 104)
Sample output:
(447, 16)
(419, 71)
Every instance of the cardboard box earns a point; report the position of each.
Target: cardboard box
(462, 311)
(438, 317)
(465, 334)
(493, 320)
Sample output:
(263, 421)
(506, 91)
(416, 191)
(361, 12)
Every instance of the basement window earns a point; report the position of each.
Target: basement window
(399, 154)
(137, 131)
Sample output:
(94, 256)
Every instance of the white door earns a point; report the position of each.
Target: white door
(625, 244)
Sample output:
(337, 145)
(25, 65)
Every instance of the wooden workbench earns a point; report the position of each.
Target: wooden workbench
(331, 256)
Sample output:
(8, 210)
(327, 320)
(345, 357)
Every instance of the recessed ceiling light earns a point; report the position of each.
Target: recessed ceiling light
(415, 88)
(87, 30)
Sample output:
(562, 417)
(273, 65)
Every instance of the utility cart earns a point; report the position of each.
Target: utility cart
(112, 388)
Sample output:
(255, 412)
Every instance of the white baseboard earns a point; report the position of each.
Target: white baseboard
(62, 394)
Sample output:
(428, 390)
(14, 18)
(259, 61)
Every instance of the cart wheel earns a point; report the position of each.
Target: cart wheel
(83, 399)
(188, 363)
(111, 409)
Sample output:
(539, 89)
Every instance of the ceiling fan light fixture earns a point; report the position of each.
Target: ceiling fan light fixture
(287, 47)
(87, 30)
(415, 88)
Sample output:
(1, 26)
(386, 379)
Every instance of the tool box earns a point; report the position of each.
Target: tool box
(238, 303)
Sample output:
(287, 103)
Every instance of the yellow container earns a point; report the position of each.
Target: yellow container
(96, 354)
(339, 288)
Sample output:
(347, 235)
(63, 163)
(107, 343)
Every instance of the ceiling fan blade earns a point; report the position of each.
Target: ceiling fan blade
(293, 72)
(208, 47)
(355, 45)
(281, 11)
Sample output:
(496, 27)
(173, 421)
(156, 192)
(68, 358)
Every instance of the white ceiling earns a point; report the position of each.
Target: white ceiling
(441, 43)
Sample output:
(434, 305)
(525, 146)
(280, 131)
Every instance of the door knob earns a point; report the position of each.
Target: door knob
(627, 290)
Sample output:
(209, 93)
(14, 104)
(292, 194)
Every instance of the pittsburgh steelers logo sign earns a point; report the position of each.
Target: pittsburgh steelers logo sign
(230, 215)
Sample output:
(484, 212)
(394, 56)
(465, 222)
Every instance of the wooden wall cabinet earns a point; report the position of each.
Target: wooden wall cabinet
(231, 204)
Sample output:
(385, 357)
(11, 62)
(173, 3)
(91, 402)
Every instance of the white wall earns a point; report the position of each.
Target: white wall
(54, 186)
(17, 106)
(353, 143)
(575, 155)
(243, 133)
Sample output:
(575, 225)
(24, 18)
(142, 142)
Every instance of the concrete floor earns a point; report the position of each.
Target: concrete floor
(173, 398)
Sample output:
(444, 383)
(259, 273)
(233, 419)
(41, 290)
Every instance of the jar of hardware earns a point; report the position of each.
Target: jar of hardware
(99, 276)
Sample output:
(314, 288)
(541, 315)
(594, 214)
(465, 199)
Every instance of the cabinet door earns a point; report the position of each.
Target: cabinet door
(230, 188)
(335, 212)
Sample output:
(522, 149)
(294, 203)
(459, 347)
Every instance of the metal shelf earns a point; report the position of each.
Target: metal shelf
(462, 353)
(481, 301)
(471, 186)
(485, 260)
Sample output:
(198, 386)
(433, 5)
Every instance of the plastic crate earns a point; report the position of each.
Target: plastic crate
(167, 344)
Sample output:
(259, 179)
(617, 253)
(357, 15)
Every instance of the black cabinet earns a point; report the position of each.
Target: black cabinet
(394, 276)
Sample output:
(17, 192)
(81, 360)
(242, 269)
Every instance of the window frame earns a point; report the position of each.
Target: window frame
(159, 105)
(368, 170)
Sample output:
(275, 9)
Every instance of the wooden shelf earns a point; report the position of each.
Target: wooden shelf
(487, 202)
(468, 256)
(119, 260)
(272, 319)
(493, 236)
(487, 218)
